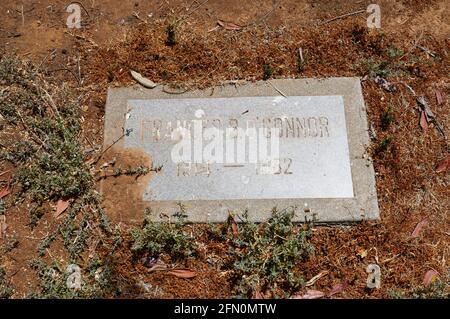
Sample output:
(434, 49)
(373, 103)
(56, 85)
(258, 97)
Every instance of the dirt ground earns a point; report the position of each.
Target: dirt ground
(117, 36)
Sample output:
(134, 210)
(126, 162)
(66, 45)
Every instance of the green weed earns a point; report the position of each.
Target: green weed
(265, 255)
(154, 238)
(6, 289)
(267, 71)
(384, 144)
(387, 118)
(171, 35)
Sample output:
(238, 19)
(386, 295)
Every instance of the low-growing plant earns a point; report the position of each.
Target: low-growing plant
(436, 290)
(50, 166)
(265, 255)
(6, 289)
(384, 144)
(267, 71)
(171, 34)
(53, 283)
(155, 238)
(387, 118)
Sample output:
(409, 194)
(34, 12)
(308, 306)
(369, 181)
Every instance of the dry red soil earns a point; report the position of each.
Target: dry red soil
(117, 36)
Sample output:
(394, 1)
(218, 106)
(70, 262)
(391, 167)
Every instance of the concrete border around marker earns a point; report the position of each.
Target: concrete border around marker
(364, 206)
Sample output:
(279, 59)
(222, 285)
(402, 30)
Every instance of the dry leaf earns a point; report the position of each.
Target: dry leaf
(418, 228)
(442, 166)
(423, 104)
(61, 206)
(182, 273)
(3, 173)
(5, 192)
(337, 289)
(361, 252)
(160, 266)
(234, 226)
(142, 80)
(430, 277)
(313, 280)
(423, 121)
(229, 25)
(3, 226)
(258, 294)
(439, 99)
(310, 294)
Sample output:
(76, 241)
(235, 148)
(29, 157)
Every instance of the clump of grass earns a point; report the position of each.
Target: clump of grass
(357, 34)
(387, 118)
(265, 255)
(394, 52)
(384, 144)
(300, 61)
(155, 238)
(267, 71)
(6, 289)
(436, 290)
(9, 244)
(171, 35)
(375, 68)
(53, 283)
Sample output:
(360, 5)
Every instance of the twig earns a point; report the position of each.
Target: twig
(409, 88)
(279, 91)
(52, 103)
(3, 173)
(68, 70)
(82, 38)
(300, 53)
(174, 92)
(416, 42)
(264, 16)
(180, 20)
(80, 80)
(23, 17)
(136, 15)
(342, 16)
(428, 51)
(113, 143)
(44, 59)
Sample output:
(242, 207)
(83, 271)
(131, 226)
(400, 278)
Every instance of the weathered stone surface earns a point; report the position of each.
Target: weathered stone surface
(320, 167)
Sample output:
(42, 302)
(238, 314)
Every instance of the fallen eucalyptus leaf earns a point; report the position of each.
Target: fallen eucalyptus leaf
(143, 80)
(337, 289)
(442, 166)
(182, 273)
(229, 25)
(423, 121)
(5, 192)
(418, 228)
(310, 294)
(61, 207)
(430, 277)
(313, 280)
(439, 98)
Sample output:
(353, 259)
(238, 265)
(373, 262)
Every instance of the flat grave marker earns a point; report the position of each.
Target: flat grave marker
(246, 148)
